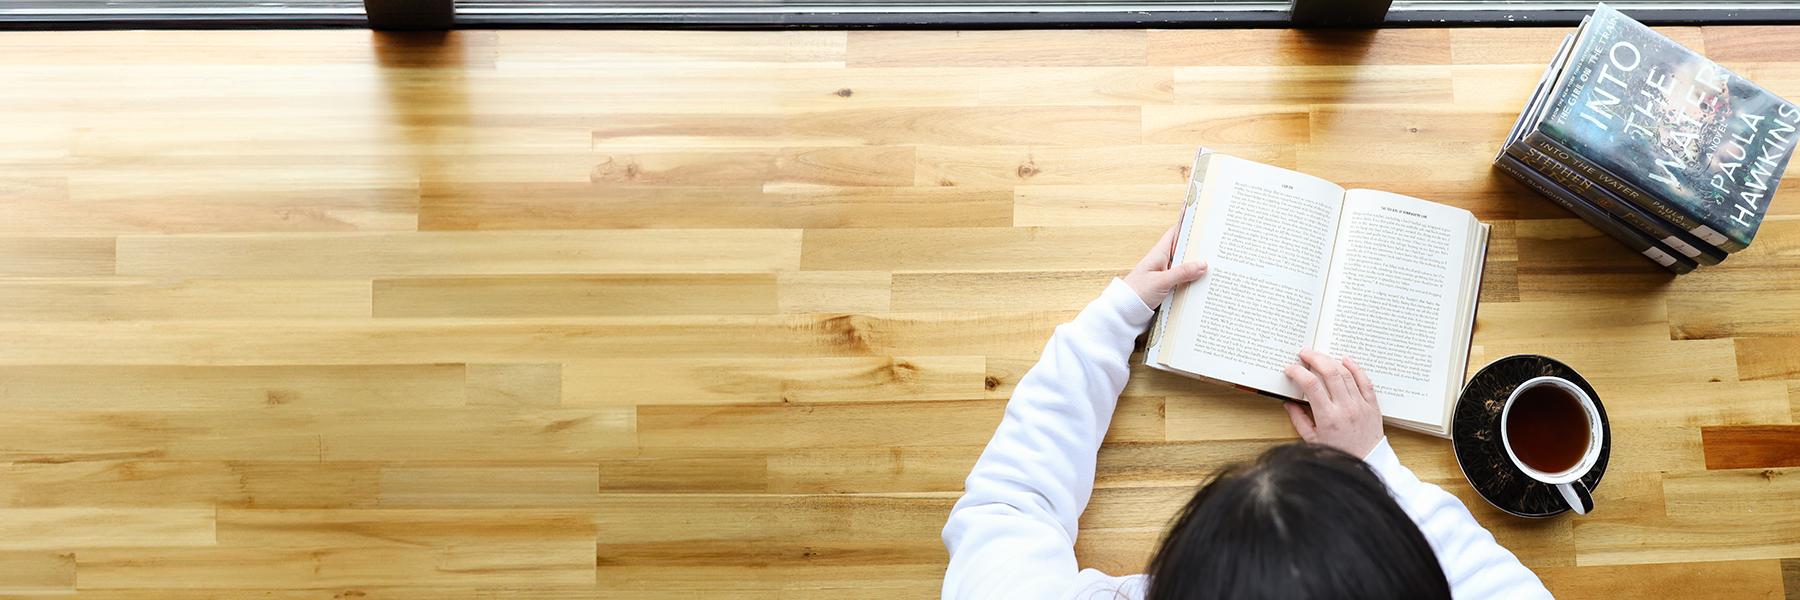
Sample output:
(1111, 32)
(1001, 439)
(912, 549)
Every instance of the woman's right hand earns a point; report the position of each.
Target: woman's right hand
(1345, 414)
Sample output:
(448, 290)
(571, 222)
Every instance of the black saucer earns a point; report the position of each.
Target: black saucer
(1476, 436)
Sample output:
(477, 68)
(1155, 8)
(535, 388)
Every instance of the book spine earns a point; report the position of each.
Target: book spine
(1671, 236)
(1632, 238)
(1630, 193)
(1160, 320)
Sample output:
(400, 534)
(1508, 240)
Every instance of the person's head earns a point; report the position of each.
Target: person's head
(1304, 522)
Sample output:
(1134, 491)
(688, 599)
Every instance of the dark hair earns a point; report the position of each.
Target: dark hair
(1304, 522)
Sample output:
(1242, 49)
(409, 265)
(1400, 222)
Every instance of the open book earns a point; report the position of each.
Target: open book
(1295, 261)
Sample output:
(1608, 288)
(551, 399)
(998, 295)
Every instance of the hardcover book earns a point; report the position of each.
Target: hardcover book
(1667, 129)
(1585, 191)
(1632, 238)
(1295, 262)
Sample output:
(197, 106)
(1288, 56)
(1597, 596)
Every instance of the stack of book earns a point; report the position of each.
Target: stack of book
(1652, 143)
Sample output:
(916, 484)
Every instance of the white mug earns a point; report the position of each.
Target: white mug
(1567, 482)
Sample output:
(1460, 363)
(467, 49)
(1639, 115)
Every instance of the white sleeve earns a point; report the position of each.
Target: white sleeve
(1478, 567)
(1013, 532)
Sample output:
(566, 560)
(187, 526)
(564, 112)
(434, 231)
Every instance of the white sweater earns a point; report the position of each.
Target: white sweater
(1012, 535)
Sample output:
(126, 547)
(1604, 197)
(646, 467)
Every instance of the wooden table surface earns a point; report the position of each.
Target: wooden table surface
(525, 314)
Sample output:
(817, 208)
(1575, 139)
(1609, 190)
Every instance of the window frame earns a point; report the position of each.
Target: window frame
(1303, 13)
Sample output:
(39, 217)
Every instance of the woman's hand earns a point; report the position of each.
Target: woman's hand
(1153, 277)
(1344, 412)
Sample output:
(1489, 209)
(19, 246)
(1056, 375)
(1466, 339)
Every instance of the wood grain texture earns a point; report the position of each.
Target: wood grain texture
(1752, 446)
(134, 299)
(1009, 167)
(1747, 44)
(565, 296)
(528, 206)
(457, 253)
(1362, 84)
(56, 256)
(37, 572)
(1096, 48)
(974, 248)
(178, 388)
(1077, 86)
(1294, 47)
(634, 315)
(1733, 579)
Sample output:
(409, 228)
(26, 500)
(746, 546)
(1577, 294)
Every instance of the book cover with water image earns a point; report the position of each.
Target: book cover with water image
(1674, 128)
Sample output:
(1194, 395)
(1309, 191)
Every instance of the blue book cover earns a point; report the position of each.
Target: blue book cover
(1674, 125)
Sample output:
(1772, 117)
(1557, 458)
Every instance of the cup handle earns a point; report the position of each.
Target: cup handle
(1577, 496)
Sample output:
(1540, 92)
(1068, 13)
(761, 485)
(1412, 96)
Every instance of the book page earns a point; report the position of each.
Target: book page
(1267, 236)
(1394, 296)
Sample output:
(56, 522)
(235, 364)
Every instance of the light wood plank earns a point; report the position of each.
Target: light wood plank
(618, 382)
(512, 484)
(1768, 358)
(367, 209)
(1210, 125)
(1762, 491)
(1737, 579)
(134, 299)
(626, 165)
(1143, 86)
(1360, 84)
(947, 166)
(573, 47)
(122, 484)
(37, 572)
(287, 387)
(454, 253)
(894, 469)
(1414, 162)
(54, 528)
(492, 434)
(1751, 314)
(1292, 47)
(977, 126)
(568, 296)
(1213, 412)
(1674, 539)
(834, 291)
(301, 528)
(521, 385)
(1511, 85)
(1528, 45)
(965, 249)
(753, 426)
(1461, 123)
(470, 565)
(1690, 361)
(46, 437)
(1631, 404)
(1572, 322)
(1079, 205)
(731, 471)
(410, 341)
(806, 88)
(998, 291)
(1738, 43)
(56, 256)
(511, 206)
(1483, 46)
(1091, 48)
